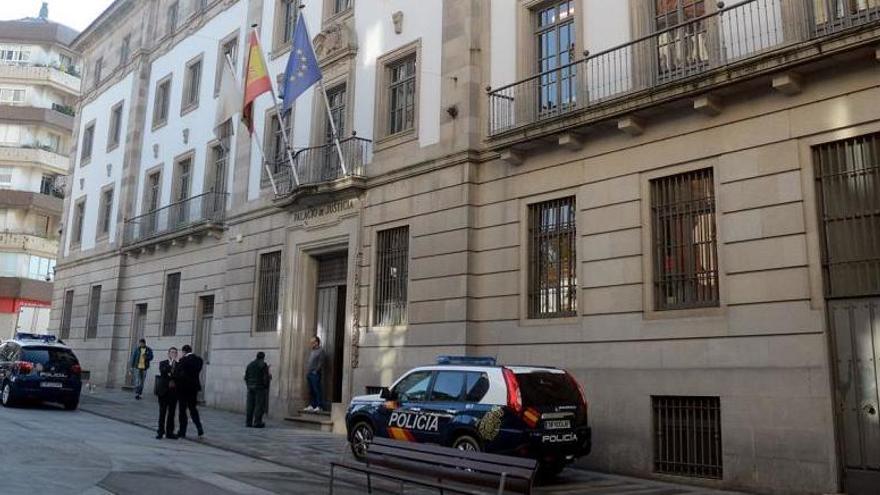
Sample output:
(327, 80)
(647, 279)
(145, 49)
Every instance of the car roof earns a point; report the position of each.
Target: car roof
(37, 343)
(464, 367)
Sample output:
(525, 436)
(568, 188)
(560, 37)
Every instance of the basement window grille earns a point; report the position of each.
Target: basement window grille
(553, 259)
(687, 436)
(268, 296)
(172, 297)
(392, 267)
(684, 241)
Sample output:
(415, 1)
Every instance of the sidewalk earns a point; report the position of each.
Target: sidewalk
(311, 452)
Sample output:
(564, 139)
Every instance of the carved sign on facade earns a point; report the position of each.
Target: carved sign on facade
(336, 39)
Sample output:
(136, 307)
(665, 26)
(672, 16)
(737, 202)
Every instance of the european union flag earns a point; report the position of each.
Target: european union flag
(302, 66)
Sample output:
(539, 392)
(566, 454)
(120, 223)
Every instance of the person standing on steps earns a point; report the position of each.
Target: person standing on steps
(140, 363)
(166, 390)
(314, 370)
(188, 386)
(257, 378)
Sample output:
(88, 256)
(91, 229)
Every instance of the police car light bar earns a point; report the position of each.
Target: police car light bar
(466, 360)
(34, 336)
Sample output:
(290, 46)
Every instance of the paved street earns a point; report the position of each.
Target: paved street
(108, 447)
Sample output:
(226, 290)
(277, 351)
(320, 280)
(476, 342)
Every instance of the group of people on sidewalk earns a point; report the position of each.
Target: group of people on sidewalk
(178, 385)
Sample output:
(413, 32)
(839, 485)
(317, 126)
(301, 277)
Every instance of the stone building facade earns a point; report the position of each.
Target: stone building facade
(673, 200)
(39, 86)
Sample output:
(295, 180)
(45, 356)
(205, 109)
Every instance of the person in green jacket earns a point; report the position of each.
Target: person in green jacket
(257, 378)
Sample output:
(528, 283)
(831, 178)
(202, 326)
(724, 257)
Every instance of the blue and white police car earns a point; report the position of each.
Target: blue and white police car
(473, 404)
(40, 368)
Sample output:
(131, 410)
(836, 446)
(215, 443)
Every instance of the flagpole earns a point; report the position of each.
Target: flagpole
(259, 140)
(280, 116)
(327, 107)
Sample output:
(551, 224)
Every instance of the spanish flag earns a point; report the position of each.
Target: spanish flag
(256, 80)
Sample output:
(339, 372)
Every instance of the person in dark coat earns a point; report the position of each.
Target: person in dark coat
(188, 386)
(256, 379)
(166, 390)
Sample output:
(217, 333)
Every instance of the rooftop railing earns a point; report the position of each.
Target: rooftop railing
(728, 35)
(204, 209)
(322, 164)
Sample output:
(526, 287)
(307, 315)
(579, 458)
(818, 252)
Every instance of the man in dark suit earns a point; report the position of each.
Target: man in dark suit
(188, 386)
(166, 390)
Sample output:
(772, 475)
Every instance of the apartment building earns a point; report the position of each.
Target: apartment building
(673, 199)
(39, 86)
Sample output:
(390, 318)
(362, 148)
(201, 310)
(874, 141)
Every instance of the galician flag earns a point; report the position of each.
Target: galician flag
(302, 66)
(228, 100)
(256, 80)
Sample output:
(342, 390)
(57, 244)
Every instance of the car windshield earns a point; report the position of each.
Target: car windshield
(46, 355)
(547, 389)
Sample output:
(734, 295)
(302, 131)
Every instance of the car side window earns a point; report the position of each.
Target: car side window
(414, 387)
(475, 387)
(448, 386)
(4, 353)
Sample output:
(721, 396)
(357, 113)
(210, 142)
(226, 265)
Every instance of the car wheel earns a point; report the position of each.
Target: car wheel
(547, 471)
(71, 405)
(6, 395)
(361, 437)
(467, 443)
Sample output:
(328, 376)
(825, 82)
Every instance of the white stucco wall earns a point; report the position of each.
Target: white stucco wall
(199, 123)
(94, 175)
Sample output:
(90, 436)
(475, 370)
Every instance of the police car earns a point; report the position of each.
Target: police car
(474, 404)
(40, 368)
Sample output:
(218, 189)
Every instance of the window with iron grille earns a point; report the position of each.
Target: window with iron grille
(94, 308)
(276, 153)
(684, 241)
(172, 298)
(687, 436)
(402, 95)
(66, 315)
(552, 259)
(392, 276)
(848, 192)
(268, 291)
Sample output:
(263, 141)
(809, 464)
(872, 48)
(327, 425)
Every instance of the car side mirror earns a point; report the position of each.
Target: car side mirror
(386, 394)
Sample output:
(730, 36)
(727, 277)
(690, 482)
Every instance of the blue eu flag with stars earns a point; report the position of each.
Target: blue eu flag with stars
(302, 66)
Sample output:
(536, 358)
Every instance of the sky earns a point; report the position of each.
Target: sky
(77, 14)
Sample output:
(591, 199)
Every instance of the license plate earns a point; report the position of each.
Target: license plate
(50, 384)
(557, 424)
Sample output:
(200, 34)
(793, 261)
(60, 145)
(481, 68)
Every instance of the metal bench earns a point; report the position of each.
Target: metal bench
(446, 469)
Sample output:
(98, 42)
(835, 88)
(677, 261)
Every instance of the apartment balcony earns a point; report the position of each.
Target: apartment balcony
(44, 203)
(322, 174)
(30, 74)
(43, 158)
(177, 223)
(29, 243)
(58, 116)
(748, 40)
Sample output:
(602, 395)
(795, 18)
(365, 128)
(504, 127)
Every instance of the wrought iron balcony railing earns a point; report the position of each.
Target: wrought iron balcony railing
(204, 209)
(742, 31)
(321, 164)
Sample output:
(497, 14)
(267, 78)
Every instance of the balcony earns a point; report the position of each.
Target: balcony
(46, 204)
(28, 243)
(321, 174)
(739, 42)
(176, 223)
(35, 156)
(37, 116)
(29, 74)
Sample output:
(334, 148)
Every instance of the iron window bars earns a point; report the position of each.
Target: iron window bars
(552, 259)
(687, 436)
(269, 284)
(172, 299)
(684, 241)
(392, 276)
